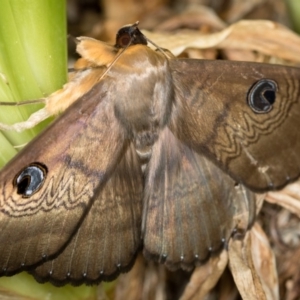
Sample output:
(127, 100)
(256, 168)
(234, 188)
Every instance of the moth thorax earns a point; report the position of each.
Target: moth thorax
(143, 98)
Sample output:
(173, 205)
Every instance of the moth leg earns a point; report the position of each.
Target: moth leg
(33, 120)
(60, 100)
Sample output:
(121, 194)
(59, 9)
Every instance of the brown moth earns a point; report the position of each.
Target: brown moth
(154, 153)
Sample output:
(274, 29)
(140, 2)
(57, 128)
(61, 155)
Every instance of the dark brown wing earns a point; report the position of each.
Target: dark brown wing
(191, 207)
(77, 155)
(212, 115)
(107, 241)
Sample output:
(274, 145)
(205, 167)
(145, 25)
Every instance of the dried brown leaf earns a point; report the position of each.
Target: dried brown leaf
(237, 9)
(266, 37)
(273, 10)
(193, 17)
(117, 13)
(243, 270)
(260, 198)
(264, 262)
(205, 277)
(145, 281)
(226, 287)
(289, 197)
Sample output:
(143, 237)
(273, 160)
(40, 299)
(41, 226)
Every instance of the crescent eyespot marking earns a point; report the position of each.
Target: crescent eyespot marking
(29, 180)
(262, 96)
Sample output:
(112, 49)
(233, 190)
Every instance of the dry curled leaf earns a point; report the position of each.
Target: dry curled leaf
(253, 266)
(237, 9)
(144, 281)
(204, 278)
(194, 17)
(264, 262)
(266, 37)
(120, 12)
(289, 197)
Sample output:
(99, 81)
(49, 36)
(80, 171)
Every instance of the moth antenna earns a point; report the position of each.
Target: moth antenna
(167, 53)
(115, 60)
(42, 100)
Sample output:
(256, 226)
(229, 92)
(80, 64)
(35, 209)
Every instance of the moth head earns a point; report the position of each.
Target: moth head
(130, 35)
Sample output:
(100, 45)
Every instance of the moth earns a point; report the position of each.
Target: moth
(152, 153)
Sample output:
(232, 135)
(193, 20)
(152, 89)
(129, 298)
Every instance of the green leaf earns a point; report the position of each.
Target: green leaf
(33, 60)
(33, 64)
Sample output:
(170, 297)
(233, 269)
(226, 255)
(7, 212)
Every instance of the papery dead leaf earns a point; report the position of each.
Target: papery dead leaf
(267, 37)
(260, 198)
(282, 228)
(193, 16)
(236, 10)
(120, 12)
(205, 277)
(226, 287)
(264, 262)
(289, 197)
(243, 270)
(145, 281)
(289, 274)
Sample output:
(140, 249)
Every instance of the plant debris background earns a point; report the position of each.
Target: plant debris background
(266, 264)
